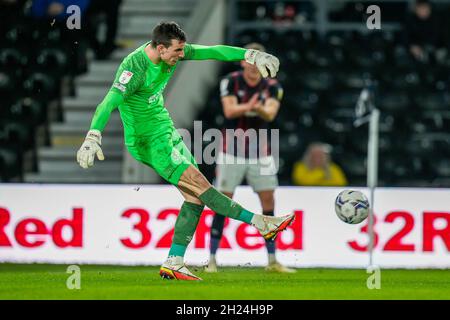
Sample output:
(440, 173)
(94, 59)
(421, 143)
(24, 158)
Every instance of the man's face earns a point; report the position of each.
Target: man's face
(423, 11)
(250, 70)
(173, 53)
(318, 157)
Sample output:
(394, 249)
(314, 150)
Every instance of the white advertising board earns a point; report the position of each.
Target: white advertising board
(126, 224)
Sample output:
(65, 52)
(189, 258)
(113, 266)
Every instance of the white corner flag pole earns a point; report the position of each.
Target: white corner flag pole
(367, 112)
(372, 175)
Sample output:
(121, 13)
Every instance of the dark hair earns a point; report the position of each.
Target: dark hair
(165, 32)
(422, 2)
(255, 46)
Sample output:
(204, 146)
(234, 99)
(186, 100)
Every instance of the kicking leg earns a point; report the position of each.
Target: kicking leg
(193, 182)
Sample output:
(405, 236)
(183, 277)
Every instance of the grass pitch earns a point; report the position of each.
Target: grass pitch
(42, 281)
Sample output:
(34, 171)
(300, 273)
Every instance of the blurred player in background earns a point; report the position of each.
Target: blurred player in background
(249, 102)
(151, 138)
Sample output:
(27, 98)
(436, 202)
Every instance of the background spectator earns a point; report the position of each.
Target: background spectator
(97, 12)
(10, 12)
(54, 13)
(317, 169)
(423, 31)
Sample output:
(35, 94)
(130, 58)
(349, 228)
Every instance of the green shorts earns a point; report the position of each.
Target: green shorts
(166, 154)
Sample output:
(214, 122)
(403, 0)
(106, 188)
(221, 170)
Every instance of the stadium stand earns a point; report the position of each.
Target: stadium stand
(327, 56)
(32, 67)
(323, 75)
(50, 84)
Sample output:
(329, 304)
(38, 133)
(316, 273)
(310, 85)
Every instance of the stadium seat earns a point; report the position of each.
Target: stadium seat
(393, 102)
(399, 79)
(15, 134)
(292, 40)
(246, 36)
(9, 164)
(344, 100)
(429, 100)
(293, 57)
(12, 58)
(351, 78)
(53, 60)
(15, 138)
(7, 84)
(339, 38)
(247, 10)
(400, 57)
(322, 55)
(427, 145)
(20, 33)
(427, 122)
(302, 101)
(441, 167)
(364, 57)
(396, 167)
(388, 123)
(27, 110)
(46, 35)
(42, 84)
(340, 120)
(359, 142)
(355, 168)
(290, 143)
(317, 79)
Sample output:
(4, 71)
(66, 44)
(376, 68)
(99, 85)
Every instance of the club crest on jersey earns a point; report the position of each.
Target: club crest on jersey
(125, 77)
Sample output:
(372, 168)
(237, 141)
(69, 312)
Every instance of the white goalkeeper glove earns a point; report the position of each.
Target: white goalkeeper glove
(263, 62)
(90, 148)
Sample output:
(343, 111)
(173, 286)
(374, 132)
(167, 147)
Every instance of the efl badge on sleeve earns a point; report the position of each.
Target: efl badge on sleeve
(125, 77)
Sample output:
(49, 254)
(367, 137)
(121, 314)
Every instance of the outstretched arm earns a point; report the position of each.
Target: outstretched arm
(218, 52)
(265, 62)
(103, 112)
(93, 141)
(128, 79)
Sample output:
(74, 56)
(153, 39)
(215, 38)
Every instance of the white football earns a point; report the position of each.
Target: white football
(352, 206)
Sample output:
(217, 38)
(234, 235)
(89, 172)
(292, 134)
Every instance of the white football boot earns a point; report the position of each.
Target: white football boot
(212, 266)
(278, 267)
(270, 226)
(174, 269)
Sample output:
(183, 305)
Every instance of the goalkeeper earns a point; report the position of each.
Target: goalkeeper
(151, 138)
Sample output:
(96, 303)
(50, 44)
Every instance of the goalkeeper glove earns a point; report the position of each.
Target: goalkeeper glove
(90, 148)
(263, 62)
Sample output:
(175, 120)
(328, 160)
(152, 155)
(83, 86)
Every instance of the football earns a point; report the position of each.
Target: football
(352, 206)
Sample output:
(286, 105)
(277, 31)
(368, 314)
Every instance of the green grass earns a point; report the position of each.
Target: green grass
(41, 281)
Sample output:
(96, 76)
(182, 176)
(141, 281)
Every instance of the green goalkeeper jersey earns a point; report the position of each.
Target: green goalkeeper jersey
(138, 88)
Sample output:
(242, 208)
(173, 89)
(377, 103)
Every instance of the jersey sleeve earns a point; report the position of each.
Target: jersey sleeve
(218, 52)
(103, 112)
(275, 90)
(129, 78)
(227, 86)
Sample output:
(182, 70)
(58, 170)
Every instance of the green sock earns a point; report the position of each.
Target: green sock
(185, 226)
(225, 206)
